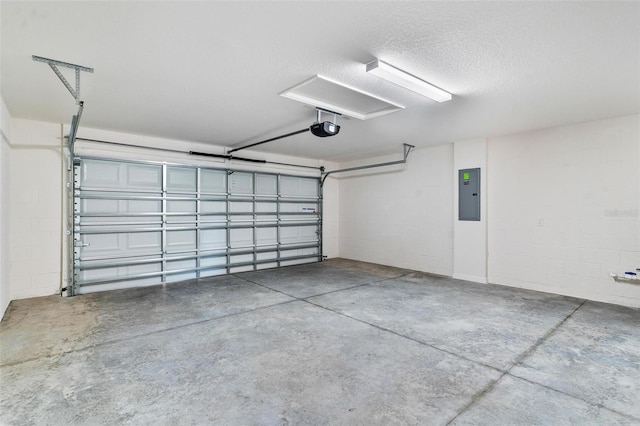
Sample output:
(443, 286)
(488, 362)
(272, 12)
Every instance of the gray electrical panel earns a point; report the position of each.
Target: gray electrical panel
(469, 194)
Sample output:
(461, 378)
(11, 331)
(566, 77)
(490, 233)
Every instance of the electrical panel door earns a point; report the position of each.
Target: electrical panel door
(469, 194)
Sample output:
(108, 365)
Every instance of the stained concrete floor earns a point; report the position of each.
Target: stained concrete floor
(339, 342)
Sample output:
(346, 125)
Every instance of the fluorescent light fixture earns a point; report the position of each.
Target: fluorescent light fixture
(401, 78)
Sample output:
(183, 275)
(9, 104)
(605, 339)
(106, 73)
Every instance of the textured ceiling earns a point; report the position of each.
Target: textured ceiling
(211, 71)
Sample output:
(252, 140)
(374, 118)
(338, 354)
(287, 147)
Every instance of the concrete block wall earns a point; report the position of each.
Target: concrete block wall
(564, 209)
(470, 237)
(400, 215)
(35, 209)
(5, 152)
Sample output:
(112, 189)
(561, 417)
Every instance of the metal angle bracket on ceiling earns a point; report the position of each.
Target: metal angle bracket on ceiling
(75, 121)
(406, 150)
(54, 66)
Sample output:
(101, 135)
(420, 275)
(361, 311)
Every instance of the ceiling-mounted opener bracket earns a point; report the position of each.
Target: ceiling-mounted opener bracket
(54, 64)
(319, 112)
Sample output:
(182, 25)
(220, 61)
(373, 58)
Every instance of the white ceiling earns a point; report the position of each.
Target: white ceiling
(211, 71)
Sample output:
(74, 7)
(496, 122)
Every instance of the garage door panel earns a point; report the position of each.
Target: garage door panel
(133, 222)
(270, 255)
(181, 265)
(266, 207)
(206, 222)
(241, 258)
(241, 220)
(241, 207)
(293, 262)
(181, 179)
(267, 265)
(299, 208)
(308, 187)
(126, 282)
(112, 273)
(298, 252)
(267, 236)
(241, 183)
(120, 244)
(180, 206)
(240, 238)
(100, 206)
(289, 187)
(213, 239)
(298, 234)
(143, 177)
(266, 185)
(213, 181)
(266, 220)
(212, 266)
(213, 206)
(180, 241)
(127, 209)
(142, 241)
(101, 244)
(101, 174)
(116, 175)
(141, 206)
(119, 203)
(292, 186)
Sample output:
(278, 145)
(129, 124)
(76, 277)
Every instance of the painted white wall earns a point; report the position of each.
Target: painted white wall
(38, 201)
(400, 215)
(581, 181)
(561, 211)
(564, 209)
(470, 237)
(5, 152)
(35, 209)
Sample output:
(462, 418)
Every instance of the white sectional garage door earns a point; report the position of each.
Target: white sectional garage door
(137, 223)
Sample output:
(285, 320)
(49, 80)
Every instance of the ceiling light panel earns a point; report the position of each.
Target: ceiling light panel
(401, 78)
(323, 92)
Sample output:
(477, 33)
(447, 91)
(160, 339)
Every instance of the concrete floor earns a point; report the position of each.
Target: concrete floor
(338, 342)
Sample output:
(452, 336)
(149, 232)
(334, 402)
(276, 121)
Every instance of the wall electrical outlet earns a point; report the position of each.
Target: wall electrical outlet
(540, 221)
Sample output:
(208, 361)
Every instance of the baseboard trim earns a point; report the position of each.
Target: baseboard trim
(472, 278)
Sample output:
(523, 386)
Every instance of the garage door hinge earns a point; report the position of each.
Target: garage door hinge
(80, 244)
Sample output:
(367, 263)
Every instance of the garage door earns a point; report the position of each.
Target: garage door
(138, 223)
